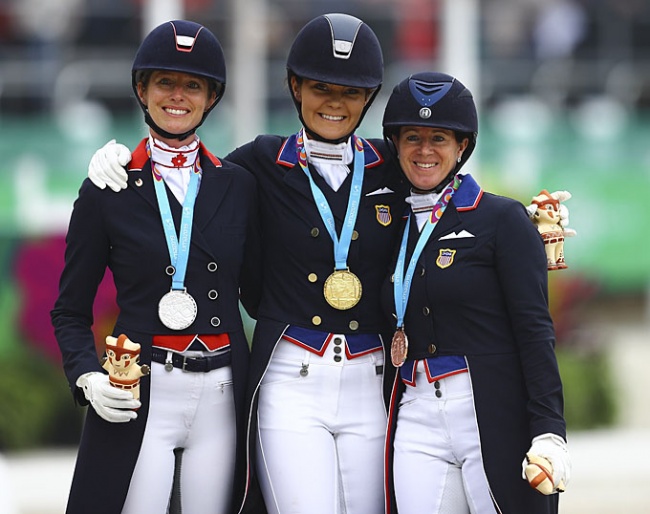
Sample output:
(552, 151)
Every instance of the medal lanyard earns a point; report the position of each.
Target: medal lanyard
(178, 247)
(342, 245)
(402, 281)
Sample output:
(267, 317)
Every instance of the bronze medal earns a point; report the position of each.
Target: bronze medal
(399, 348)
(342, 289)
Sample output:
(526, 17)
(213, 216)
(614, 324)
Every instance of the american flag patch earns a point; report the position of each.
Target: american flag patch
(445, 258)
(383, 215)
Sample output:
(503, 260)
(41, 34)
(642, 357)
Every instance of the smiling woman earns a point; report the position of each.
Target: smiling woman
(330, 110)
(176, 242)
(427, 155)
(177, 102)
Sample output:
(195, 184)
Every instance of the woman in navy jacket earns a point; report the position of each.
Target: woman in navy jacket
(478, 384)
(175, 242)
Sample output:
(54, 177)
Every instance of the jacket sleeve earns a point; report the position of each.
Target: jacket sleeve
(521, 266)
(86, 258)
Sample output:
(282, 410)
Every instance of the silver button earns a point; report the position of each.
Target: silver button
(426, 311)
(314, 232)
(212, 267)
(212, 294)
(338, 340)
(215, 322)
(170, 270)
(337, 358)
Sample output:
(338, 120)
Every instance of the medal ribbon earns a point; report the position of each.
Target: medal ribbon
(342, 245)
(178, 246)
(402, 281)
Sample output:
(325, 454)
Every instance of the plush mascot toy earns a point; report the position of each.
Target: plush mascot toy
(551, 218)
(124, 372)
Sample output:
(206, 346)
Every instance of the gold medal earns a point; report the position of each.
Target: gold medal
(342, 289)
(399, 347)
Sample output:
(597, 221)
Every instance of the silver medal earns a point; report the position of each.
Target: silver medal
(177, 309)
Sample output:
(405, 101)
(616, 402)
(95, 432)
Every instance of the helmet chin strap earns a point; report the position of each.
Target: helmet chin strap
(149, 121)
(439, 187)
(318, 137)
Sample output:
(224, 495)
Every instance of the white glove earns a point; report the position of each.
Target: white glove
(112, 404)
(554, 449)
(106, 167)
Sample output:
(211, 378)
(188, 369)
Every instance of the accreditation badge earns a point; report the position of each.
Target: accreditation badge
(445, 258)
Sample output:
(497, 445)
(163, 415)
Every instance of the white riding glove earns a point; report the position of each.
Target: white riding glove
(554, 449)
(112, 404)
(106, 167)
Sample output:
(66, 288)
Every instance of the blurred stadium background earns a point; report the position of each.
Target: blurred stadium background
(563, 88)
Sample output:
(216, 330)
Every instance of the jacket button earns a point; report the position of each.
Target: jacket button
(433, 348)
(426, 311)
(212, 294)
(422, 272)
(215, 322)
(355, 235)
(316, 320)
(354, 325)
(212, 267)
(314, 232)
(338, 340)
(170, 270)
(337, 358)
(312, 277)
(337, 349)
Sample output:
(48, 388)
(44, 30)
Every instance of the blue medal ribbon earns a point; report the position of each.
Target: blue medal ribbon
(178, 246)
(402, 281)
(342, 244)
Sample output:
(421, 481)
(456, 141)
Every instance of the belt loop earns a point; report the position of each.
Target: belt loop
(184, 363)
(168, 362)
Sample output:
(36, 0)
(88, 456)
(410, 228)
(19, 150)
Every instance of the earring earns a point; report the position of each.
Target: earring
(458, 160)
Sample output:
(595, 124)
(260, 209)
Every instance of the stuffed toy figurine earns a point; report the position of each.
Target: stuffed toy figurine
(551, 218)
(121, 362)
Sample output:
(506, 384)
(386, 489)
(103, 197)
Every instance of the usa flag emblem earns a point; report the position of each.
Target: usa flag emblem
(383, 215)
(445, 258)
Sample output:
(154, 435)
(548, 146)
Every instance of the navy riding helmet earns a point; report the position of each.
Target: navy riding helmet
(433, 99)
(182, 46)
(337, 49)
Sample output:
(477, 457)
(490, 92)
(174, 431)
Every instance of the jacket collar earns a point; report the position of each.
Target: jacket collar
(469, 194)
(288, 154)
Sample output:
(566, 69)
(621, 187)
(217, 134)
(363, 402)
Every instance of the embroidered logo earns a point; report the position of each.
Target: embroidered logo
(445, 258)
(383, 215)
(179, 160)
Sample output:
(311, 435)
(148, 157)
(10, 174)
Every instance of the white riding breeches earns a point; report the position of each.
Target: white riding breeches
(193, 411)
(321, 433)
(437, 463)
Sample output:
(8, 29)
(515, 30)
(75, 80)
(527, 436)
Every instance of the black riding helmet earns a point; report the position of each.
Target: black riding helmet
(182, 46)
(431, 99)
(337, 49)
